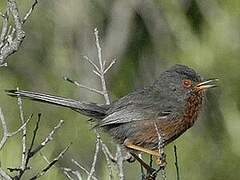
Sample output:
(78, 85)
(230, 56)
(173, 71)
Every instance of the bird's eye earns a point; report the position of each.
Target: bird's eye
(187, 83)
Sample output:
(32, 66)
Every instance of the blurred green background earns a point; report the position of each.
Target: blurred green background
(145, 37)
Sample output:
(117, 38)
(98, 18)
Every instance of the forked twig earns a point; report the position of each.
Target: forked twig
(44, 171)
(84, 169)
(32, 151)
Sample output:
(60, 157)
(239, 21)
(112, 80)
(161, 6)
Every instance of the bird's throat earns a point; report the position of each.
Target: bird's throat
(192, 109)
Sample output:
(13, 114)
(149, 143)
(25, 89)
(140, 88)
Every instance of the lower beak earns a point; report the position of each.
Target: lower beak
(211, 83)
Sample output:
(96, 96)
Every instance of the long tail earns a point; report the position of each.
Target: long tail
(88, 109)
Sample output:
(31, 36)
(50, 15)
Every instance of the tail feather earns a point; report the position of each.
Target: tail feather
(88, 109)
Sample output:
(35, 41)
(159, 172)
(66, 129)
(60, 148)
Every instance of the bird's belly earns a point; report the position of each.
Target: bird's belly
(148, 134)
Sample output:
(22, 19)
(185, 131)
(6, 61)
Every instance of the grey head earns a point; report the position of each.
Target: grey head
(178, 82)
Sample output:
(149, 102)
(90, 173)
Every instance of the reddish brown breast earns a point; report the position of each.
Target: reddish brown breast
(192, 109)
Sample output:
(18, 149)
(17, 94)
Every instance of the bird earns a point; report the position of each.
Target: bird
(146, 118)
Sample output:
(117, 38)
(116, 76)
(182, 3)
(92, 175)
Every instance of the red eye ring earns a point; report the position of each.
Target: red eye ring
(187, 83)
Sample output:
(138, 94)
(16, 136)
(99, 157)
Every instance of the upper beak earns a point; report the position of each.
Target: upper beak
(206, 84)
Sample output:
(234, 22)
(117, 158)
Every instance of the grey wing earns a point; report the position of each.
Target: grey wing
(130, 115)
(136, 107)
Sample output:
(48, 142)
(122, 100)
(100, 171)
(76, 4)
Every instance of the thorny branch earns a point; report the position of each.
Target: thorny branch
(12, 36)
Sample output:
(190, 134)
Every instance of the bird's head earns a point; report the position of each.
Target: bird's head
(182, 81)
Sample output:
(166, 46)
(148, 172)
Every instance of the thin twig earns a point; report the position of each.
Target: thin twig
(24, 132)
(34, 133)
(94, 158)
(84, 169)
(5, 130)
(21, 127)
(4, 175)
(108, 156)
(109, 66)
(44, 171)
(142, 168)
(99, 53)
(120, 163)
(92, 63)
(82, 86)
(47, 139)
(161, 153)
(29, 11)
(176, 162)
(66, 171)
(107, 152)
(6, 134)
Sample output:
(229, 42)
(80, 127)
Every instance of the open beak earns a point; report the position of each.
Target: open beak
(211, 83)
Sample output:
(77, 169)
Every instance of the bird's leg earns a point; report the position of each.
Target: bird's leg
(161, 157)
(139, 148)
(149, 169)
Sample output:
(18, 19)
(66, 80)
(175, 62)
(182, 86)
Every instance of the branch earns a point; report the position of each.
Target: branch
(66, 171)
(110, 65)
(101, 68)
(162, 157)
(5, 130)
(47, 139)
(31, 152)
(176, 162)
(13, 42)
(85, 170)
(94, 158)
(7, 134)
(4, 175)
(92, 63)
(12, 38)
(29, 11)
(24, 132)
(82, 86)
(44, 171)
(120, 160)
(102, 72)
